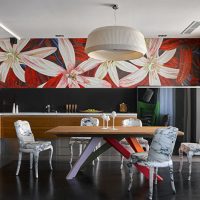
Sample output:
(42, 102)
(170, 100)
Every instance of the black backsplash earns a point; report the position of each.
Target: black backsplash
(35, 100)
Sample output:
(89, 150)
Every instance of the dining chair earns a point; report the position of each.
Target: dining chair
(190, 149)
(27, 144)
(159, 155)
(82, 141)
(143, 142)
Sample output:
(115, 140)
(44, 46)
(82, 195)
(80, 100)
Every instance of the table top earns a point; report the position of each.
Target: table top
(91, 131)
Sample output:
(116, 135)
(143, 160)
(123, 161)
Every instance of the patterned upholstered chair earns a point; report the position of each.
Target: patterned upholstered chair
(144, 143)
(27, 144)
(159, 155)
(82, 141)
(191, 149)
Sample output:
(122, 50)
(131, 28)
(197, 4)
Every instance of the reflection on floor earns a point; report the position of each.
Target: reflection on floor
(104, 181)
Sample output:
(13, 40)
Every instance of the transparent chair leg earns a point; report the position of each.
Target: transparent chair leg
(147, 147)
(181, 160)
(36, 158)
(80, 149)
(19, 163)
(31, 160)
(96, 149)
(130, 170)
(93, 160)
(172, 178)
(189, 157)
(151, 172)
(50, 158)
(155, 176)
(122, 162)
(71, 153)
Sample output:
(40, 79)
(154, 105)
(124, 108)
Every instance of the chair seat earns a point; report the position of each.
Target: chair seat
(80, 140)
(141, 159)
(37, 145)
(194, 147)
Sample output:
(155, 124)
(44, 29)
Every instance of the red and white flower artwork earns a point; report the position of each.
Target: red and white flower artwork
(62, 63)
(153, 66)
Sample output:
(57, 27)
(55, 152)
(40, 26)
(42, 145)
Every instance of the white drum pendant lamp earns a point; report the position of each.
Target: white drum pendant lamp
(115, 43)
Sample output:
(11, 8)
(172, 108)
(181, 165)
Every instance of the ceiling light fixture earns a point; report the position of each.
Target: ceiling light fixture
(9, 31)
(115, 42)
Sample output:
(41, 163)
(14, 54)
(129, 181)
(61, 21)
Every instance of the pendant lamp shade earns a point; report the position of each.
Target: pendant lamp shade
(115, 43)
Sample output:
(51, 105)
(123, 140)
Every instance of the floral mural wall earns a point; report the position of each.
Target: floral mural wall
(62, 63)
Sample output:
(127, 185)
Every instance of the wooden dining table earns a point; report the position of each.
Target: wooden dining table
(112, 138)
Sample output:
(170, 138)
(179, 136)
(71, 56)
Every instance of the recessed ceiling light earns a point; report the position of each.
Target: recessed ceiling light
(162, 35)
(59, 35)
(9, 31)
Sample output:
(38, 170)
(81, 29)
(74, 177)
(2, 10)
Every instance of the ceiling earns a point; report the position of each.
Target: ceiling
(77, 18)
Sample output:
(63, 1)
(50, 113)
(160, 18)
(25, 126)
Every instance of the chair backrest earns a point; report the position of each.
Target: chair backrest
(132, 122)
(23, 131)
(162, 145)
(90, 121)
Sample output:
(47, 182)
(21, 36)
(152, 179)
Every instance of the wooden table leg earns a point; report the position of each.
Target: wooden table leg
(86, 153)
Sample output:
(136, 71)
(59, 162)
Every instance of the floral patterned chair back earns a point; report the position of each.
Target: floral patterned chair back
(24, 133)
(162, 145)
(132, 122)
(89, 122)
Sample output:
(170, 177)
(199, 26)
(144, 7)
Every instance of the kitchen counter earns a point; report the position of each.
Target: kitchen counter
(65, 114)
(41, 122)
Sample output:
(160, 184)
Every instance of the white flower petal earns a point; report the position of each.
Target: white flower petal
(126, 66)
(4, 68)
(42, 66)
(5, 45)
(18, 71)
(67, 52)
(20, 45)
(87, 65)
(3, 56)
(63, 82)
(112, 71)
(133, 78)
(139, 62)
(166, 56)
(40, 52)
(92, 82)
(167, 72)
(154, 78)
(153, 46)
(101, 71)
(42, 85)
(73, 83)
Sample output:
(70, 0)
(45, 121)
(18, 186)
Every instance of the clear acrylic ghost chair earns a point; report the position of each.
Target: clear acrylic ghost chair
(159, 155)
(190, 149)
(27, 144)
(82, 141)
(144, 143)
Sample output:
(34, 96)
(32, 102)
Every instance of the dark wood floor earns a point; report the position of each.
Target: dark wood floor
(104, 181)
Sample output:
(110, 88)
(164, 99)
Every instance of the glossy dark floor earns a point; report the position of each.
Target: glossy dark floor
(104, 181)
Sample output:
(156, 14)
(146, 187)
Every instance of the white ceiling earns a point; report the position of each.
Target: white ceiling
(76, 18)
